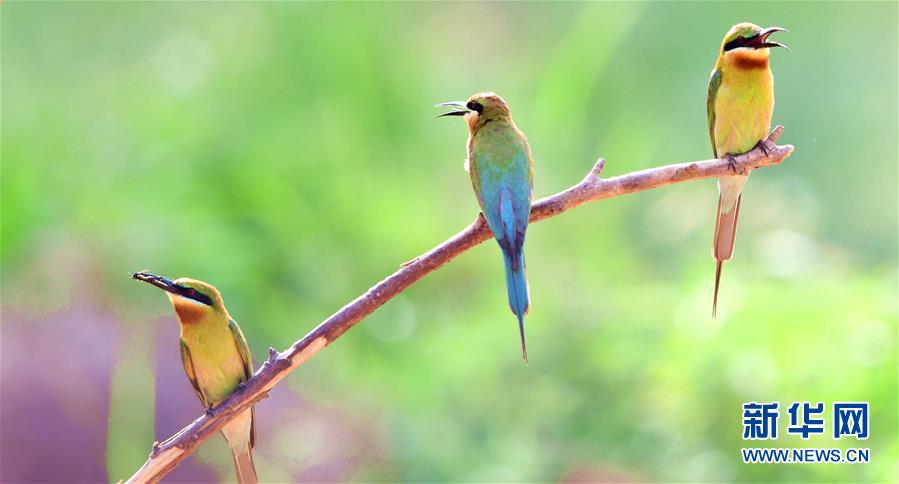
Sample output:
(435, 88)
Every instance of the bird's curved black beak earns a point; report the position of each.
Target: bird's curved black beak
(169, 285)
(760, 41)
(163, 283)
(458, 107)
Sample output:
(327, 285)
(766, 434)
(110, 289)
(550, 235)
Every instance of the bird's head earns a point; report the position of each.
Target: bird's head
(192, 299)
(747, 45)
(479, 109)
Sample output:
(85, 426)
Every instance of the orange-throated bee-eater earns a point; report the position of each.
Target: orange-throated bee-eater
(739, 105)
(502, 174)
(216, 358)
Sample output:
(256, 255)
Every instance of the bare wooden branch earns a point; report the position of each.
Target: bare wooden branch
(167, 455)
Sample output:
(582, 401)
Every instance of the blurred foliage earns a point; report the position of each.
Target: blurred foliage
(288, 154)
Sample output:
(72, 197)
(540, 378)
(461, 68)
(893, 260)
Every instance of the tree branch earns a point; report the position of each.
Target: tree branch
(167, 455)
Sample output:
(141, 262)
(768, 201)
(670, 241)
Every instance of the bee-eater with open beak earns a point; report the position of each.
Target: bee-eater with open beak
(216, 358)
(739, 105)
(502, 174)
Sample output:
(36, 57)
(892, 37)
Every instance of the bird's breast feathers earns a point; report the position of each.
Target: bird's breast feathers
(743, 108)
(216, 360)
(219, 377)
(500, 146)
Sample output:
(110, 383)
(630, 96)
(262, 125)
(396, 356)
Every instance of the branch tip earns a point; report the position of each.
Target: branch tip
(775, 135)
(593, 175)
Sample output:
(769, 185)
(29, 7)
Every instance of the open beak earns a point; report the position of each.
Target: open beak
(163, 283)
(761, 40)
(458, 108)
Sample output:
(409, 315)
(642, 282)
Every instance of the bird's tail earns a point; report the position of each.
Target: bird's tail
(517, 287)
(243, 464)
(725, 237)
(240, 435)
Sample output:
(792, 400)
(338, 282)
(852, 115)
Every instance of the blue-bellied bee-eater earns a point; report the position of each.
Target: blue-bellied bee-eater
(739, 105)
(216, 358)
(502, 174)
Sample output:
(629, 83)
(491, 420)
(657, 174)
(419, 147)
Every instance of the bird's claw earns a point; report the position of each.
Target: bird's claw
(731, 162)
(210, 412)
(765, 146)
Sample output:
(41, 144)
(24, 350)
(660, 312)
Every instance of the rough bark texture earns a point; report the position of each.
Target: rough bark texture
(167, 455)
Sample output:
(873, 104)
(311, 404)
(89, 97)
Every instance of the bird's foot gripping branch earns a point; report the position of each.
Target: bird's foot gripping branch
(168, 454)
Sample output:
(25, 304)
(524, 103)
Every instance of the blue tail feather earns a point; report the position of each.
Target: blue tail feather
(517, 287)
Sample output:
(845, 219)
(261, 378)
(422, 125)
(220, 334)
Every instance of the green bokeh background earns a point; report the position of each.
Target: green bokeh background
(288, 154)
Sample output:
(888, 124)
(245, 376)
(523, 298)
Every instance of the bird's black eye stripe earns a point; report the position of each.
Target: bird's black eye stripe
(196, 295)
(475, 106)
(736, 43)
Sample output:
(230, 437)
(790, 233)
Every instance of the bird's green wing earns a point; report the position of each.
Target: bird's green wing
(191, 374)
(714, 84)
(244, 349)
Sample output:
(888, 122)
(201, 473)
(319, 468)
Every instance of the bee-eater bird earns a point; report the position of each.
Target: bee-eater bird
(216, 358)
(502, 174)
(739, 106)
